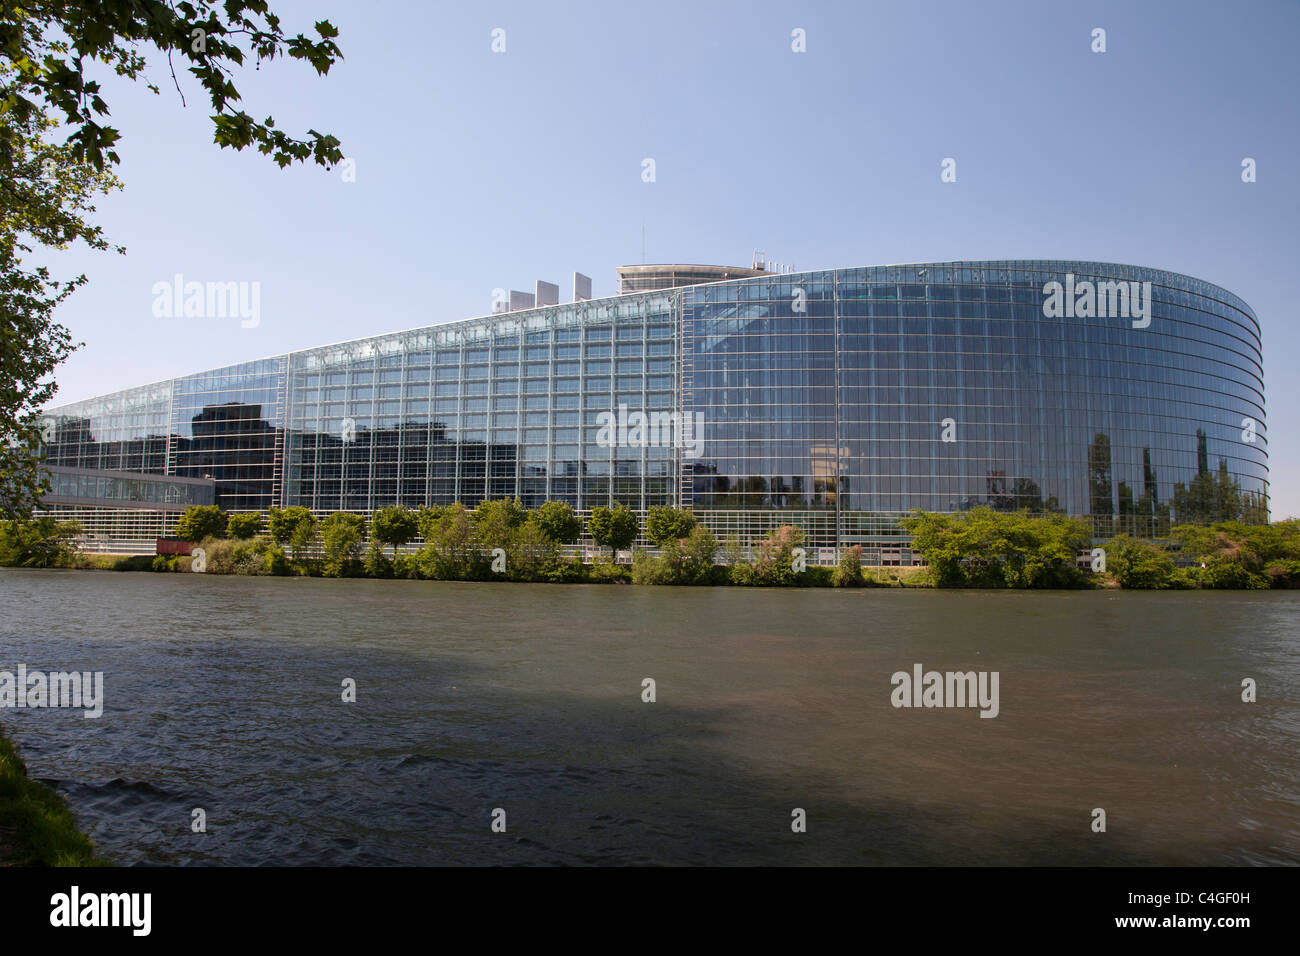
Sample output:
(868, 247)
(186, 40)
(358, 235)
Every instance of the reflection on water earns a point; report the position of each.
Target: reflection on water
(224, 693)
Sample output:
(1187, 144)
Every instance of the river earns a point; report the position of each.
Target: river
(225, 694)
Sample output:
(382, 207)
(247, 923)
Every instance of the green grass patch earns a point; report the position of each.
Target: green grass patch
(36, 826)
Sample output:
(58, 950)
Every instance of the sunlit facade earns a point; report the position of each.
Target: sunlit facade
(837, 400)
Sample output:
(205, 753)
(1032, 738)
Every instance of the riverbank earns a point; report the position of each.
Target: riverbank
(576, 572)
(503, 541)
(36, 826)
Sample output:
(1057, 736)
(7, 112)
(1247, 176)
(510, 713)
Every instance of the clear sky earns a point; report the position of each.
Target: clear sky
(477, 170)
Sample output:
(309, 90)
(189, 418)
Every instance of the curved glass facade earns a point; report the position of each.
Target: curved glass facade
(837, 400)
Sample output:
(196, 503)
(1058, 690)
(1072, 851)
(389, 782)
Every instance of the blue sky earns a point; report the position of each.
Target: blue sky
(477, 170)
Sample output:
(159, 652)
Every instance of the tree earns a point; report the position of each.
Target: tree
(303, 538)
(451, 551)
(376, 562)
(557, 521)
(664, 523)
(533, 553)
(244, 526)
(201, 521)
(394, 525)
(1223, 572)
(934, 536)
(295, 526)
(689, 560)
(282, 522)
(1138, 564)
(45, 196)
(1234, 554)
(614, 528)
(427, 519)
(40, 543)
(46, 48)
(341, 537)
(986, 548)
(48, 45)
(701, 550)
(495, 522)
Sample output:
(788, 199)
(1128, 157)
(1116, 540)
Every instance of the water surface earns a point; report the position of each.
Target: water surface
(224, 693)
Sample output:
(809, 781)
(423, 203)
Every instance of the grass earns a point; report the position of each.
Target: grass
(85, 561)
(36, 826)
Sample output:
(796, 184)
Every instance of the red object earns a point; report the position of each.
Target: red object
(174, 546)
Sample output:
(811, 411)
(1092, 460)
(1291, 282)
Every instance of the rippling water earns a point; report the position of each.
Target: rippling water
(224, 693)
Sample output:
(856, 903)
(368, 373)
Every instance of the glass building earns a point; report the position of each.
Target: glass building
(836, 400)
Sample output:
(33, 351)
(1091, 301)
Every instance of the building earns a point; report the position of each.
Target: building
(837, 400)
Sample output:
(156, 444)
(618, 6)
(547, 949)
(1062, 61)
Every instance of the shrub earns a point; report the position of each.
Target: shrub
(1283, 574)
(1227, 574)
(164, 562)
(39, 543)
(742, 574)
(200, 522)
(645, 569)
(735, 567)
(700, 552)
(532, 555)
(303, 537)
(686, 561)
(732, 551)
(566, 571)
(1239, 555)
(1138, 564)
(848, 573)
(987, 548)
(234, 556)
(451, 551)
(816, 576)
(607, 572)
(377, 564)
(406, 566)
(243, 526)
(341, 537)
(275, 562)
(136, 562)
(294, 526)
(774, 563)
(426, 519)
(497, 522)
